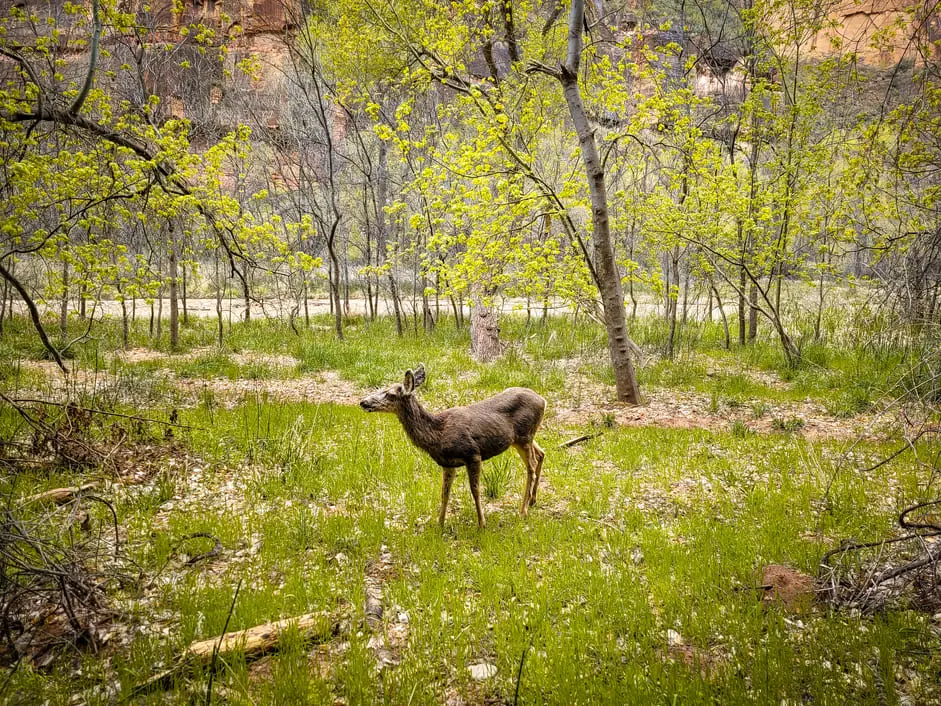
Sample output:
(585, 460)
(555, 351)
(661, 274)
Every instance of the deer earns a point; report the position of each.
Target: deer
(468, 436)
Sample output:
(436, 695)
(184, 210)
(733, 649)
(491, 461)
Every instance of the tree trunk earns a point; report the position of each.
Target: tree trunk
(370, 308)
(382, 233)
(484, 329)
(667, 279)
(609, 278)
(186, 317)
(673, 290)
(306, 308)
(334, 280)
(457, 317)
(3, 304)
(64, 304)
(174, 293)
(818, 319)
(125, 325)
(396, 303)
(428, 318)
(791, 353)
(219, 287)
(246, 293)
(725, 321)
(685, 310)
(159, 322)
(752, 312)
(346, 274)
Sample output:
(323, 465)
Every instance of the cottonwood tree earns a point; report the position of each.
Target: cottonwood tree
(439, 49)
(77, 163)
(607, 274)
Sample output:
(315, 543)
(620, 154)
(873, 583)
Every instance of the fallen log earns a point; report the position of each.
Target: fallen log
(58, 496)
(253, 642)
(262, 638)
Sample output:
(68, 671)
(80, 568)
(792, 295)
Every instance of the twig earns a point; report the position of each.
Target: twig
(114, 515)
(519, 672)
(911, 525)
(578, 440)
(72, 405)
(53, 433)
(215, 551)
(34, 316)
(905, 568)
(909, 444)
(215, 652)
(862, 589)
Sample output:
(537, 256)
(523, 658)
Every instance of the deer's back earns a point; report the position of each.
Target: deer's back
(490, 427)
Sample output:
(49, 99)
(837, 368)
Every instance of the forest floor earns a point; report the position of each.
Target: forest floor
(674, 554)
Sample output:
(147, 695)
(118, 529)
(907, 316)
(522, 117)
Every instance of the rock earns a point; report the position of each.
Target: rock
(482, 671)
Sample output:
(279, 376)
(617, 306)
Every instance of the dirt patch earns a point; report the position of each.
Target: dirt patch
(146, 355)
(245, 358)
(272, 361)
(80, 380)
(689, 410)
(788, 587)
(318, 388)
(584, 402)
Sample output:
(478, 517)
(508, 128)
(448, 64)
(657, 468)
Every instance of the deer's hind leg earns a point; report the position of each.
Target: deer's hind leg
(539, 456)
(447, 478)
(527, 453)
(473, 477)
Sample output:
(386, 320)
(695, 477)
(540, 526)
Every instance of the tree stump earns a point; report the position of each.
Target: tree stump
(485, 333)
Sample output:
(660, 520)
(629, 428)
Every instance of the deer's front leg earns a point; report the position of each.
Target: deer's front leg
(473, 476)
(447, 478)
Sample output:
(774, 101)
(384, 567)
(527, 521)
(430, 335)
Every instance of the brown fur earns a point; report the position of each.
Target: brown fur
(467, 436)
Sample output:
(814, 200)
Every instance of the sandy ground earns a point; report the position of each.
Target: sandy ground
(234, 309)
(583, 402)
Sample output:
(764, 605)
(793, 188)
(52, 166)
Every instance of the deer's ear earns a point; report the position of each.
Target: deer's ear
(409, 383)
(420, 375)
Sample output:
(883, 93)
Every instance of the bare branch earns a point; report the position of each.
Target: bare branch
(92, 60)
(33, 315)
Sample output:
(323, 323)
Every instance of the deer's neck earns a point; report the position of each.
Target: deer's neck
(421, 426)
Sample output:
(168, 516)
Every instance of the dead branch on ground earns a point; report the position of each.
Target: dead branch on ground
(55, 574)
(871, 576)
(251, 643)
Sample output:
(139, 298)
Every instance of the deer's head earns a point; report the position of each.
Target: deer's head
(393, 397)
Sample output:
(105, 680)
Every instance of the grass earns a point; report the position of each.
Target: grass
(640, 533)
